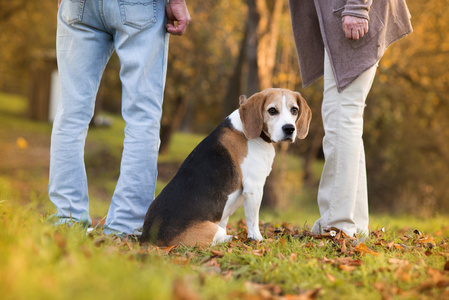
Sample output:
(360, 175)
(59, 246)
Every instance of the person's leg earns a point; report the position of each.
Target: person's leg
(83, 49)
(141, 43)
(342, 194)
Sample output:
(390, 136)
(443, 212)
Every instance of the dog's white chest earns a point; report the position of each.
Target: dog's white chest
(257, 164)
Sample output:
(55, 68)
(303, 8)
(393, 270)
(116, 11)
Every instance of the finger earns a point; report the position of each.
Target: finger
(180, 29)
(347, 31)
(173, 30)
(361, 33)
(355, 34)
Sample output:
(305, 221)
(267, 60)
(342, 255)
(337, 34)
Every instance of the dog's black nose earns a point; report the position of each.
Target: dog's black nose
(288, 129)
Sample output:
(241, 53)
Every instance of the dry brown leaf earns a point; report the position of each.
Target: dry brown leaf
(167, 250)
(100, 240)
(216, 253)
(346, 268)
(259, 252)
(181, 291)
(211, 263)
(363, 249)
(60, 240)
(181, 261)
(227, 275)
(342, 246)
(390, 245)
(403, 273)
(86, 251)
(330, 277)
(293, 256)
(437, 279)
(395, 261)
(266, 291)
(274, 266)
(308, 295)
(446, 266)
(427, 242)
(398, 246)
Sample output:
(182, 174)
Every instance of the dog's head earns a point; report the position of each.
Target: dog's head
(281, 114)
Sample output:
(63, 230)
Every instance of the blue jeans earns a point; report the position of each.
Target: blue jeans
(88, 33)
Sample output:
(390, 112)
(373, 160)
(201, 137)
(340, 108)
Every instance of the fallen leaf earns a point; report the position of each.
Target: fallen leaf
(180, 261)
(342, 245)
(216, 253)
(167, 250)
(211, 263)
(266, 291)
(398, 246)
(403, 273)
(346, 268)
(390, 245)
(436, 279)
(227, 275)
(181, 291)
(446, 266)
(259, 252)
(427, 242)
(378, 233)
(60, 240)
(307, 295)
(395, 261)
(363, 249)
(330, 277)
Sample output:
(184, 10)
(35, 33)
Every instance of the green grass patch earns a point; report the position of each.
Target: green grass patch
(42, 261)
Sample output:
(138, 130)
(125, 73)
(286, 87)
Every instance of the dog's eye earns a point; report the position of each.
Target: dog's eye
(272, 111)
(294, 111)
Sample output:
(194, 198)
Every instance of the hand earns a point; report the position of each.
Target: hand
(177, 12)
(59, 3)
(354, 27)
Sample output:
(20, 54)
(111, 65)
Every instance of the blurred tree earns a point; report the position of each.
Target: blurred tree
(26, 30)
(406, 120)
(407, 128)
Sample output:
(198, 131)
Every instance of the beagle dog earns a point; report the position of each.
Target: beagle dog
(226, 170)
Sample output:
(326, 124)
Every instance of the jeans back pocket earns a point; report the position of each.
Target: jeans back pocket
(139, 14)
(72, 10)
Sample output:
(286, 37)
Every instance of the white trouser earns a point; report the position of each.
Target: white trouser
(342, 194)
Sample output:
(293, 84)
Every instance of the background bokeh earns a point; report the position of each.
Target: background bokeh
(235, 47)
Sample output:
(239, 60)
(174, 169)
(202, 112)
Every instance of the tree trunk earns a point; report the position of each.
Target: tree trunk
(268, 14)
(230, 101)
(253, 85)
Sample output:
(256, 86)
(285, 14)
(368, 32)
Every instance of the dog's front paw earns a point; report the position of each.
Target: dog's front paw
(255, 237)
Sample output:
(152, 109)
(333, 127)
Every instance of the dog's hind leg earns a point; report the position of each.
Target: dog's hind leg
(203, 233)
(221, 236)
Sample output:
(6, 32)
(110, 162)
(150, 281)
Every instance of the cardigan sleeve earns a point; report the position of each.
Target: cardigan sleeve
(357, 8)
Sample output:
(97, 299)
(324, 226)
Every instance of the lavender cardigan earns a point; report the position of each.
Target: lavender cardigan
(317, 25)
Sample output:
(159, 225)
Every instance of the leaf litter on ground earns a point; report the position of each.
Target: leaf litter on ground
(344, 254)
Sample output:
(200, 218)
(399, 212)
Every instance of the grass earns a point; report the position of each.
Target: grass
(41, 261)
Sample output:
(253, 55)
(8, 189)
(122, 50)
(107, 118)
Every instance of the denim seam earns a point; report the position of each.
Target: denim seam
(103, 19)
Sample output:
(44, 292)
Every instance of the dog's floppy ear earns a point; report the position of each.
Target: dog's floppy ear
(242, 99)
(305, 115)
(251, 115)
